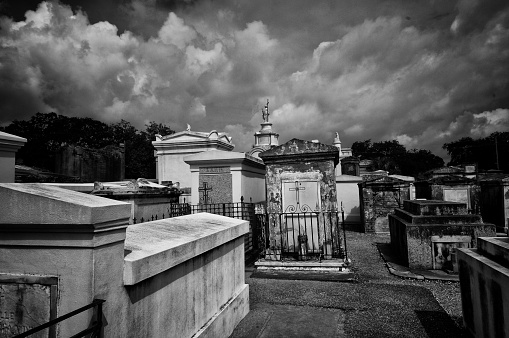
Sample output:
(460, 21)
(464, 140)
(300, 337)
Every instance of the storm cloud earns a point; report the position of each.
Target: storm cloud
(424, 73)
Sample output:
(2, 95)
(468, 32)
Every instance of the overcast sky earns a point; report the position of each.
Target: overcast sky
(421, 72)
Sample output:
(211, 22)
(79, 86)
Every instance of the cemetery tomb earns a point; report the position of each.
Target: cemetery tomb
(494, 200)
(450, 188)
(380, 195)
(224, 177)
(9, 145)
(427, 233)
(61, 249)
(171, 150)
(301, 201)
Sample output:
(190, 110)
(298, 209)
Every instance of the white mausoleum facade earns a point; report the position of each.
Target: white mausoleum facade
(171, 150)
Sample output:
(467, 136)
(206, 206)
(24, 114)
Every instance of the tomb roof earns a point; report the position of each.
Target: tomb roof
(195, 134)
(189, 138)
(448, 179)
(385, 180)
(296, 146)
(296, 149)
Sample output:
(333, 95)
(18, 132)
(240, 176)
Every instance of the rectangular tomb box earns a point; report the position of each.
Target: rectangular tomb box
(25, 303)
(443, 249)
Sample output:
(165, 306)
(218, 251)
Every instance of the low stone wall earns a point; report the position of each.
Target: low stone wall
(484, 277)
(179, 277)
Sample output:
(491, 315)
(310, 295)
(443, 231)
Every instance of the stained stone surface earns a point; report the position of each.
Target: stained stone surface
(23, 307)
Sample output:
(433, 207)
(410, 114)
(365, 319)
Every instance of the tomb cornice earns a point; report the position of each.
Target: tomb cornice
(63, 235)
(200, 144)
(11, 143)
(39, 204)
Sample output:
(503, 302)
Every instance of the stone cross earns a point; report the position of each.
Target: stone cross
(297, 189)
(205, 190)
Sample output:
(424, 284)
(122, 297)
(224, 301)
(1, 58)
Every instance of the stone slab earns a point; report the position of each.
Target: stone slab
(157, 246)
(314, 275)
(39, 204)
(325, 264)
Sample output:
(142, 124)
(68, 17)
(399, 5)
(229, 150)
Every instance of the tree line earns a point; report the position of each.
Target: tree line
(47, 134)
(489, 153)
(395, 158)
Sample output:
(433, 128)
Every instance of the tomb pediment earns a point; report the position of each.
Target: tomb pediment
(385, 180)
(190, 136)
(301, 149)
(451, 179)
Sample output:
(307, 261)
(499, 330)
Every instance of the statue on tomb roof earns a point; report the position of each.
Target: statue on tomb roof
(265, 112)
(188, 127)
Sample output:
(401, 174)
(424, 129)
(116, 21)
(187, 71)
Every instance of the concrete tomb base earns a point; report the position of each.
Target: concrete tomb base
(426, 233)
(484, 281)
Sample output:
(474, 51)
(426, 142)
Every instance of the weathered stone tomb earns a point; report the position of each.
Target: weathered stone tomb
(301, 201)
(426, 233)
(60, 250)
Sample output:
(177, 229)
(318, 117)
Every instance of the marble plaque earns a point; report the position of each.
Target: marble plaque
(214, 170)
(23, 307)
(457, 195)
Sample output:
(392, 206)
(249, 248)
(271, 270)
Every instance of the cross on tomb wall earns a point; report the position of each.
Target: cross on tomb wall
(205, 190)
(297, 189)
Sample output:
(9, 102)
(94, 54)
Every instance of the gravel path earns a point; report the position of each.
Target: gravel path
(379, 305)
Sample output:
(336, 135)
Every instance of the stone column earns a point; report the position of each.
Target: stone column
(59, 249)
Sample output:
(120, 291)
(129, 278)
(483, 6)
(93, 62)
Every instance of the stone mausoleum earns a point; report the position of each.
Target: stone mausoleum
(226, 177)
(301, 201)
(171, 150)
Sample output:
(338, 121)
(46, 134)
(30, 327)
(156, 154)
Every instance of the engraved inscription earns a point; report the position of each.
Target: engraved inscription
(23, 307)
(214, 170)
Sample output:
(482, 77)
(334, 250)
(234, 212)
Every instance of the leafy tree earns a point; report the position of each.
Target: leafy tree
(361, 149)
(488, 153)
(394, 158)
(153, 128)
(46, 134)
(417, 161)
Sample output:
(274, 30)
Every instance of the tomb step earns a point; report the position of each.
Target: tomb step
(324, 265)
(434, 207)
(434, 219)
(496, 248)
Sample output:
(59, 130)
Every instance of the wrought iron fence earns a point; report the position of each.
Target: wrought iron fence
(302, 236)
(92, 331)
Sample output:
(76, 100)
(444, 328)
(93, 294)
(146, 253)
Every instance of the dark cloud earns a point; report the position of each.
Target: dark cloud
(422, 72)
